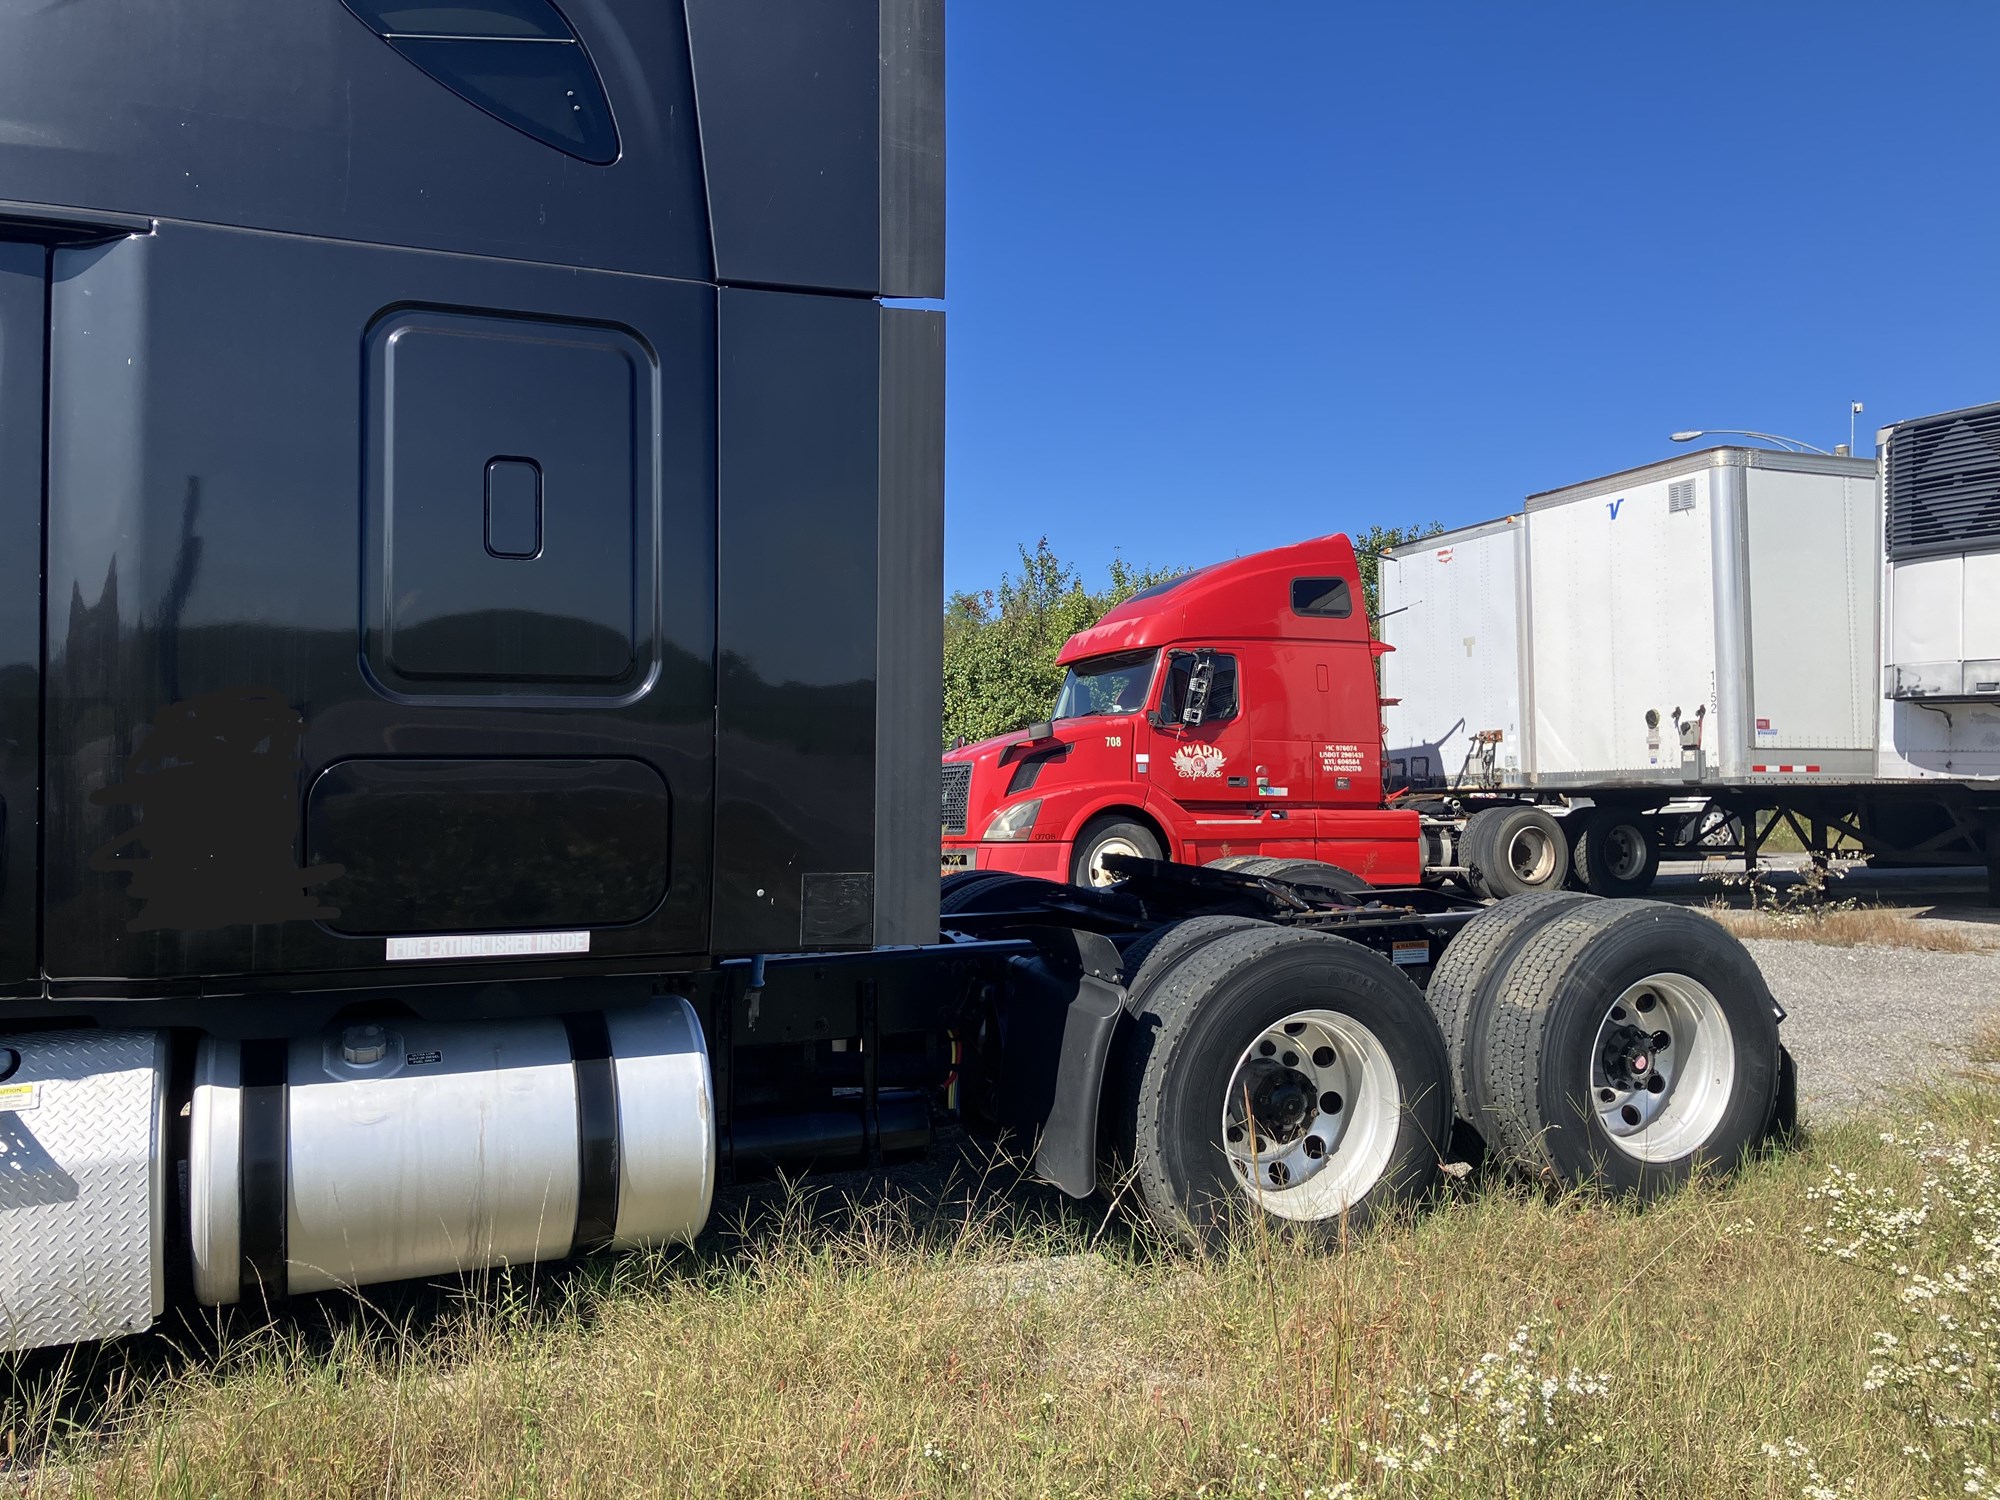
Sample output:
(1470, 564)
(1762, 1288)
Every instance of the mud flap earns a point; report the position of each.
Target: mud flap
(1784, 1129)
(82, 1197)
(1064, 1009)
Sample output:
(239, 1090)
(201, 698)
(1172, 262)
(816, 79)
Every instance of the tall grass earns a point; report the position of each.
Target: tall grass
(1858, 927)
(945, 1339)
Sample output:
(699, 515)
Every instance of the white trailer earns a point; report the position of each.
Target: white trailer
(1697, 650)
(1454, 605)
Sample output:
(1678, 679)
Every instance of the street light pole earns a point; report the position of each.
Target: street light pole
(1769, 437)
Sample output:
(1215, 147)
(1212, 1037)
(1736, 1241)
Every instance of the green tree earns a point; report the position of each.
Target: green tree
(1000, 644)
(1369, 546)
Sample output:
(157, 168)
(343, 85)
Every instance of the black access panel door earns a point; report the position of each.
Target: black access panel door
(22, 292)
(380, 587)
(422, 448)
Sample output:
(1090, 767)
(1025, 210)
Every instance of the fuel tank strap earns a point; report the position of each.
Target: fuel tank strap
(261, 1188)
(596, 1131)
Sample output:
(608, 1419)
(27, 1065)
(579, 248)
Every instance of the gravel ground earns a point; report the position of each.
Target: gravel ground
(1863, 1021)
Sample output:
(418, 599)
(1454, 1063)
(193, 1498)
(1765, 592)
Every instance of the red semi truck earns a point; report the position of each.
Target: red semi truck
(1232, 711)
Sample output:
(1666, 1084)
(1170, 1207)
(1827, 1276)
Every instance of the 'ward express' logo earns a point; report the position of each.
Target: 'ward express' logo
(1199, 762)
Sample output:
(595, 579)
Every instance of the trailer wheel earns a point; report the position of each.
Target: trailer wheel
(1314, 872)
(1282, 1070)
(964, 894)
(1628, 1043)
(1465, 979)
(1617, 853)
(1513, 851)
(1109, 835)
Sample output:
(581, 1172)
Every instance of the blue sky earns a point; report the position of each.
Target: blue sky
(1225, 276)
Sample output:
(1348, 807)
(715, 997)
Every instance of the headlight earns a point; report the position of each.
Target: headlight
(1015, 822)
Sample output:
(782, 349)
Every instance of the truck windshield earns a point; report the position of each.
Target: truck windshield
(1106, 685)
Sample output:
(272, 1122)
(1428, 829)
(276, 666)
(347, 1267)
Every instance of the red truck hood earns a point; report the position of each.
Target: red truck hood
(1079, 749)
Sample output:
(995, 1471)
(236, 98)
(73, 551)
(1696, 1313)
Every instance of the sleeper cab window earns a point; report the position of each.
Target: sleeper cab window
(518, 60)
(1327, 598)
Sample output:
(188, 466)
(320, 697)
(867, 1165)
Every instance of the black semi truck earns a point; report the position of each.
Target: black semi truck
(470, 552)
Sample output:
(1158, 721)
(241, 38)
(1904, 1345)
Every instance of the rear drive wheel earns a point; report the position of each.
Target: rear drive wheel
(1513, 851)
(1105, 836)
(1158, 951)
(1617, 853)
(1463, 984)
(1628, 1044)
(1282, 1071)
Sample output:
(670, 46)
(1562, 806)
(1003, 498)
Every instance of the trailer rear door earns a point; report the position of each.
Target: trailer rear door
(23, 270)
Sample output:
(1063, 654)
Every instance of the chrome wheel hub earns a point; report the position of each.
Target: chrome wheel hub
(1310, 1115)
(1531, 855)
(1663, 1067)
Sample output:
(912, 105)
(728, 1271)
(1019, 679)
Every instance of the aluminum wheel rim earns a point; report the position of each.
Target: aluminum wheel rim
(1627, 851)
(1663, 1067)
(1531, 854)
(1320, 1089)
(1098, 874)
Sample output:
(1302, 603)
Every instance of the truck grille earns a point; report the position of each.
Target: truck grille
(1943, 484)
(957, 788)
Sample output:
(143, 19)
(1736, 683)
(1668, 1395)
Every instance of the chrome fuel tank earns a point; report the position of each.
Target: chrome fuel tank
(404, 1148)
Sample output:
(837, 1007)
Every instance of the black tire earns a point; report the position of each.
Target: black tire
(1142, 966)
(1253, 864)
(1155, 952)
(1110, 833)
(961, 880)
(1515, 851)
(1572, 827)
(1617, 853)
(1195, 1018)
(1315, 872)
(1463, 983)
(1472, 847)
(965, 894)
(1231, 861)
(1534, 1059)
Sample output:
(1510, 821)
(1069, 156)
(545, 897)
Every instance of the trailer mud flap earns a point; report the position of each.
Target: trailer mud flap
(1064, 1012)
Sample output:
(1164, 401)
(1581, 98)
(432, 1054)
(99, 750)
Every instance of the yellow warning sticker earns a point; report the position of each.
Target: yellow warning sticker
(16, 1097)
